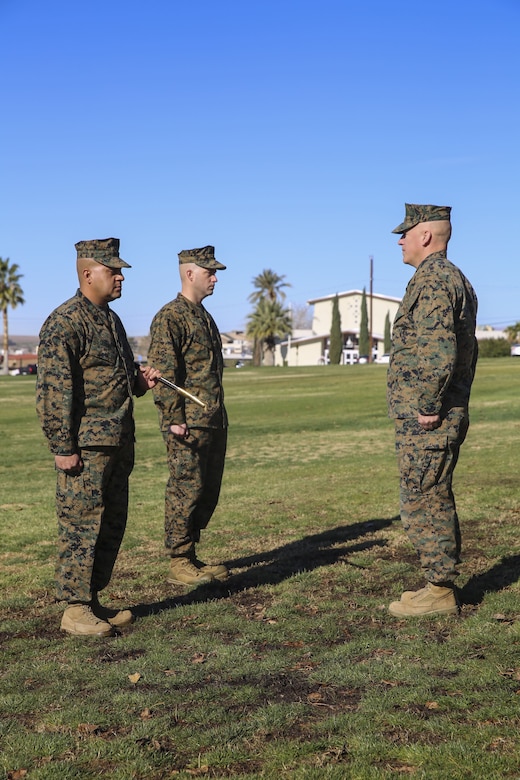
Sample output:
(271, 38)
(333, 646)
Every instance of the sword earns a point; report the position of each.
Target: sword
(182, 391)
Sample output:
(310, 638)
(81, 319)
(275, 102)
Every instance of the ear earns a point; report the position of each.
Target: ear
(426, 237)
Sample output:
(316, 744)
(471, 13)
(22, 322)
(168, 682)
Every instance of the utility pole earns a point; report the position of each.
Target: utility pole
(370, 336)
(289, 336)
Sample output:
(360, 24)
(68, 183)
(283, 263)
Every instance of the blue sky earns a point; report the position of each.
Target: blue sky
(287, 133)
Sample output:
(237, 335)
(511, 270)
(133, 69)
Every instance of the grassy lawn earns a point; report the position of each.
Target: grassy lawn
(293, 668)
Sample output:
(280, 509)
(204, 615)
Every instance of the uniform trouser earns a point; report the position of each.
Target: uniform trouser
(427, 460)
(92, 510)
(196, 465)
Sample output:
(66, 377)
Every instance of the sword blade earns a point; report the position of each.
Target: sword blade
(182, 392)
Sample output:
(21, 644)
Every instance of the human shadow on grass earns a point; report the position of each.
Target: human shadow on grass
(273, 566)
(498, 577)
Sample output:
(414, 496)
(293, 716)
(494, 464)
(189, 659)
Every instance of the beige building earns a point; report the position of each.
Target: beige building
(236, 347)
(312, 348)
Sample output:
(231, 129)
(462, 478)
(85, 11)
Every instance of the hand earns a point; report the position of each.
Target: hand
(429, 422)
(181, 431)
(70, 464)
(148, 377)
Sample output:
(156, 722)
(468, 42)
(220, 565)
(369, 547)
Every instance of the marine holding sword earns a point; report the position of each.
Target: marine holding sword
(187, 350)
(86, 380)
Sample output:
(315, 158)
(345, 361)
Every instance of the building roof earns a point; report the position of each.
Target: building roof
(234, 335)
(354, 292)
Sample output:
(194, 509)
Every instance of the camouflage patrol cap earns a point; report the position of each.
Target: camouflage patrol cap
(102, 250)
(416, 214)
(205, 257)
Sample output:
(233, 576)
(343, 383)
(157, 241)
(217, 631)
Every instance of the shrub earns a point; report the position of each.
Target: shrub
(494, 348)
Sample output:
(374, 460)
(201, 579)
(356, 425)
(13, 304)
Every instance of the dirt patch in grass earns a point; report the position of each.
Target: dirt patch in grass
(398, 735)
(284, 687)
(252, 605)
(287, 687)
(108, 656)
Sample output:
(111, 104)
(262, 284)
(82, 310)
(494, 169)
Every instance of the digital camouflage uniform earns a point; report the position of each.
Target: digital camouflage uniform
(86, 378)
(187, 349)
(432, 364)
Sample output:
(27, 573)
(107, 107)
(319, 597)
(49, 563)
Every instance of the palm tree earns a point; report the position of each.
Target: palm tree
(269, 285)
(267, 321)
(11, 294)
(513, 332)
(268, 288)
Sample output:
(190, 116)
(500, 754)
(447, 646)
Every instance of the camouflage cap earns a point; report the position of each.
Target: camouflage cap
(205, 257)
(416, 214)
(102, 250)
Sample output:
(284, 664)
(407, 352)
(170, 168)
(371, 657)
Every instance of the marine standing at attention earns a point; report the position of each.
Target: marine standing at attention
(187, 349)
(432, 365)
(86, 379)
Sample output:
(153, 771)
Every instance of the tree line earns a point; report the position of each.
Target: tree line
(269, 320)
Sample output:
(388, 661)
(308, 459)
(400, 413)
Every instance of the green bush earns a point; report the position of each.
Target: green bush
(494, 348)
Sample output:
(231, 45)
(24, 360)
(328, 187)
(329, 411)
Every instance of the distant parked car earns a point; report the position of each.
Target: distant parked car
(32, 368)
(384, 358)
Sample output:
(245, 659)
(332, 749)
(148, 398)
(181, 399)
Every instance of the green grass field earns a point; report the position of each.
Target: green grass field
(293, 668)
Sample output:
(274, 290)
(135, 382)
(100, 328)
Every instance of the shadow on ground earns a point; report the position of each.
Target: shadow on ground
(502, 574)
(274, 566)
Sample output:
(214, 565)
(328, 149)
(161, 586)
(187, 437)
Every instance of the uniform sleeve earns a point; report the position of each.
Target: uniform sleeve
(57, 352)
(165, 354)
(436, 346)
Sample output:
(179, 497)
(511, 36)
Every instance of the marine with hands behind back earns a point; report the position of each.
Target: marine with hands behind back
(432, 365)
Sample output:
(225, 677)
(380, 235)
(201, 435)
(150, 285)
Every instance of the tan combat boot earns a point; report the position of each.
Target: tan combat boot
(430, 600)
(184, 572)
(218, 571)
(78, 619)
(119, 618)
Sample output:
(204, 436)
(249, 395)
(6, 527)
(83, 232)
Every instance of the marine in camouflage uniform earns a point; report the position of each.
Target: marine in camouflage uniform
(187, 349)
(86, 379)
(432, 365)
